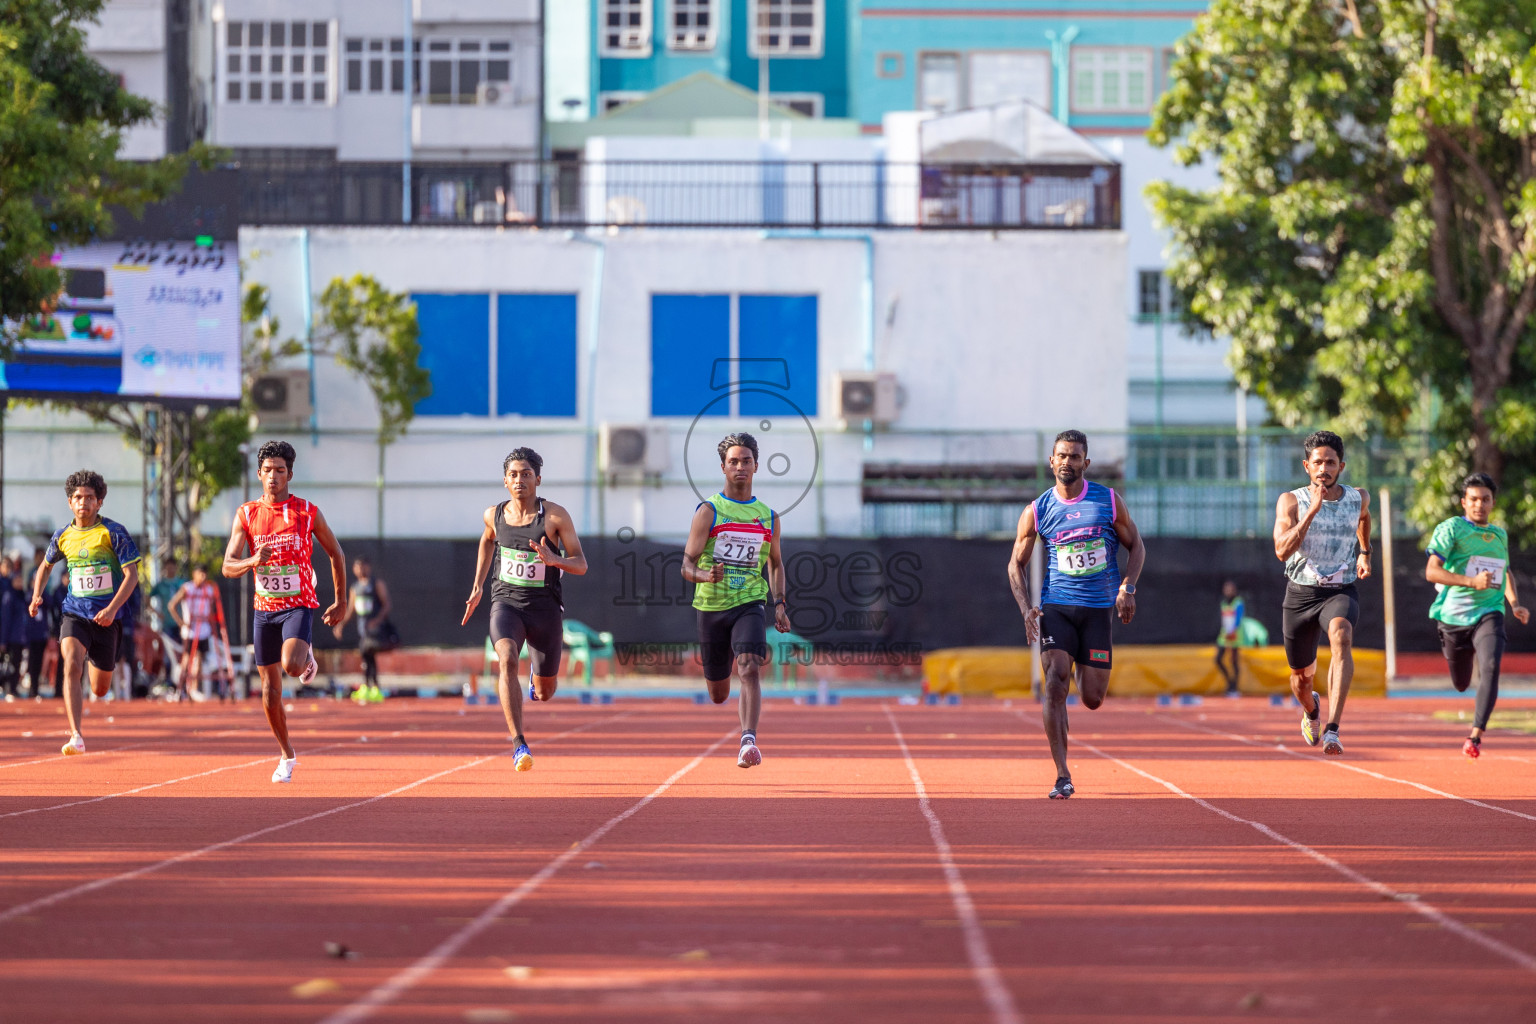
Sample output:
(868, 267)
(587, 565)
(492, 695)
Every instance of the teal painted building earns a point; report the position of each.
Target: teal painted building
(641, 45)
(1098, 65)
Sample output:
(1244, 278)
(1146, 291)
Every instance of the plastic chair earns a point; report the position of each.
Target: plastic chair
(789, 651)
(1251, 633)
(587, 644)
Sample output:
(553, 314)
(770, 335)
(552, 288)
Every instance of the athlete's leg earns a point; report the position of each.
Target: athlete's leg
(1341, 667)
(544, 646)
(296, 655)
(1221, 665)
(1301, 686)
(370, 668)
(1092, 685)
(1053, 705)
(272, 704)
(1460, 654)
(749, 647)
(507, 686)
(748, 670)
(194, 665)
(73, 652)
(1488, 640)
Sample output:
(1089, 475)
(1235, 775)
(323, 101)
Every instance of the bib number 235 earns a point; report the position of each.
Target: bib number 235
(277, 582)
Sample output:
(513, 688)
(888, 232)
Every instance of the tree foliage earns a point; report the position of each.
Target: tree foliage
(1369, 247)
(372, 331)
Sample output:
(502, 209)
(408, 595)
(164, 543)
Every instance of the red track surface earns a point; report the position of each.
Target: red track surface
(810, 889)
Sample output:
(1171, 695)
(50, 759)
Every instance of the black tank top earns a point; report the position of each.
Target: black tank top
(519, 578)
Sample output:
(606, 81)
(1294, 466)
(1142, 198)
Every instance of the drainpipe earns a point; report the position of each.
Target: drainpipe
(410, 97)
(1061, 50)
(594, 315)
(306, 292)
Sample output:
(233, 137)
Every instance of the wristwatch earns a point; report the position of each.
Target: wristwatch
(1129, 588)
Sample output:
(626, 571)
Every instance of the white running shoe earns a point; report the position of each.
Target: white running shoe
(1331, 744)
(284, 771)
(750, 756)
(76, 745)
(310, 671)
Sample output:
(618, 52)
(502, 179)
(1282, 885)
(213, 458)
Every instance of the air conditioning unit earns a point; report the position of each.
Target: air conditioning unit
(633, 451)
(866, 396)
(632, 39)
(281, 398)
(495, 94)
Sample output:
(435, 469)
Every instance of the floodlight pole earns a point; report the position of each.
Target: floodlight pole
(1389, 604)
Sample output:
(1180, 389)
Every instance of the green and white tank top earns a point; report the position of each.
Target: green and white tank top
(738, 540)
(1327, 554)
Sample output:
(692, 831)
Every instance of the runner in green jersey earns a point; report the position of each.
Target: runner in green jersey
(734, 559)
(1469, 565)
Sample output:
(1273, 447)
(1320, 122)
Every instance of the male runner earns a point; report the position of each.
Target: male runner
(280, 530)
(1082, 525)
(369, 604)
(533, 542)
(198, 610)
(103, 565)
(733, 556)
(1228, 641)
(1469, 566)
(1323, 535)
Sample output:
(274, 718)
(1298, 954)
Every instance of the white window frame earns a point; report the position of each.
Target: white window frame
(457, 56)
(1082, 56)
(644, 34)
(960, 79)
(783, 51)
(707, 39)
(330, 77)
(618, 98)
(969, 69)
(817, 100)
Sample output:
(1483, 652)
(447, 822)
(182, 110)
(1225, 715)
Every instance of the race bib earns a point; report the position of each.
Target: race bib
(362, 606)
(1228, 623)
(1482, 563)
(91, 580)
(278, 581)
(521, 568)
(1327, 579)
(1083, 558)
(738, 548)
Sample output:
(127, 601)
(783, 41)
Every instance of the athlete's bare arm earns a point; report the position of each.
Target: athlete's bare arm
(346, 617)
(1363, 536)
(172, 607)
(327, 539)
(1516, 609)
(573, 562)
(1018, 572)
(380, 591)
(108, 615)
(234, 566)
(1130, 537)
(776, 580)
(698, 536)
(1436, 572)
(482, 562)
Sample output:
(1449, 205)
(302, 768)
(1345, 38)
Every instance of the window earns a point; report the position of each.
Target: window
(692, 26)
(626, 28)
(469, 71)
(890, 65)
(787, 28)
(997, 77)
(938, 82)
(276, 61)
(536, 330)
(1149, 292)
(1111, 80)
(698, 354)
(807, 103)
(367, 64)
(689, 333)
(455, 350)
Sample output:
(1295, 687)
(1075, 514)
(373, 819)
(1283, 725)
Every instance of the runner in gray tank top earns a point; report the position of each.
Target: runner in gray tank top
(1323, 535)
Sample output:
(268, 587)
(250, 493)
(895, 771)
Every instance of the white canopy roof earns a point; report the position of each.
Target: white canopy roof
(1013, 132)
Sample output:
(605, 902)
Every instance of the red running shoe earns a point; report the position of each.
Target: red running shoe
(1472, 748)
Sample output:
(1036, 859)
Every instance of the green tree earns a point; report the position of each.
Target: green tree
(62, 117)
(1369, 246)
(373, 332)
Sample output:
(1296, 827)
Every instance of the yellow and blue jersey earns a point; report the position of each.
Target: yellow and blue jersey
(96, 557)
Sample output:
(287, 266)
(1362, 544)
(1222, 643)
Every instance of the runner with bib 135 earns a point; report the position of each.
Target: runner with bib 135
(1082, 525)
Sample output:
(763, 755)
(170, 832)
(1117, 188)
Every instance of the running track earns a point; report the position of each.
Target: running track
(886, 863)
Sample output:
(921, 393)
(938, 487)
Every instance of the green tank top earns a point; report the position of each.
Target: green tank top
(1468, 549)
(739, 540)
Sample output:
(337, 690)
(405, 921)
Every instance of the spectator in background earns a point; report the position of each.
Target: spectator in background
(369, 605)
(164, 620)
(200, 613)
(1230, 638)
(13, 617)
(53, 609)
(36, 631)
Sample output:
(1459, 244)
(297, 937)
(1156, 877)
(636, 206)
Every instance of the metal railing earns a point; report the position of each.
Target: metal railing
(766, 194)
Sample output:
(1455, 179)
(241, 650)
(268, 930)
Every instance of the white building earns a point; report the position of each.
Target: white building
(130, 40)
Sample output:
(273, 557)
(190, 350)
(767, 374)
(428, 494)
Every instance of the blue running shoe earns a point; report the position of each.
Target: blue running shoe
(1063, 789)
(522, 760)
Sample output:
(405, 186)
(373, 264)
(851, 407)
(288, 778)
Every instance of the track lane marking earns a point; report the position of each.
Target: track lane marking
(30, 906)
(389, 991)
(983, 966)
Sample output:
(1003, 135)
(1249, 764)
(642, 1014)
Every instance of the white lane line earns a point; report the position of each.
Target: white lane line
(1418, 906)
(32, 906)
(396, 986)
(1282, 748)
(65, 757)
(983, 967)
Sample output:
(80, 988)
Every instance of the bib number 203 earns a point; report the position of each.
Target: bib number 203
(521, 568)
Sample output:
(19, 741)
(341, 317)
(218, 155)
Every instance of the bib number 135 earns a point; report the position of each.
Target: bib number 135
(1083, 558)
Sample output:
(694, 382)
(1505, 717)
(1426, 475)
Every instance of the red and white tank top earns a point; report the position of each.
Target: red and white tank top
(287, 579)
(200, 609)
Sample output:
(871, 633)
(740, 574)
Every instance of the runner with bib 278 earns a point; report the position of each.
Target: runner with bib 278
(1083, 525)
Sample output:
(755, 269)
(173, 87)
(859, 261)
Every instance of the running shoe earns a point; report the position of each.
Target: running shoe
(1472, 748)
(284, 771)
(375, 695)
(750, 756)
(310, 671)
(522, 759)
(533, 694)
(1063, 790)
(1331, 744)
(76, 745)
(1311, 728)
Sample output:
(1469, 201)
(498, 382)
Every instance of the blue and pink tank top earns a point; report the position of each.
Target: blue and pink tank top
(1081, 567)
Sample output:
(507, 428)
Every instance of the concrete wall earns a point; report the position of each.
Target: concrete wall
(129, 41)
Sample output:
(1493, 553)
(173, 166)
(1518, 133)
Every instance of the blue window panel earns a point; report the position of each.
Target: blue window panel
(779, 327)
(456, 350)
(689, 333)
(536, 355)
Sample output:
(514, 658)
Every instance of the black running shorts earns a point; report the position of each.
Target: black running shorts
(725, 634)
(1305, 614)
(100, 642)
(542, 627)
(1084, 633)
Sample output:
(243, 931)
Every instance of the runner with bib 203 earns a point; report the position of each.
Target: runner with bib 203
(1082, 525)
(734, 559)
(532, 542)
(280, 531)
(1323, 535)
